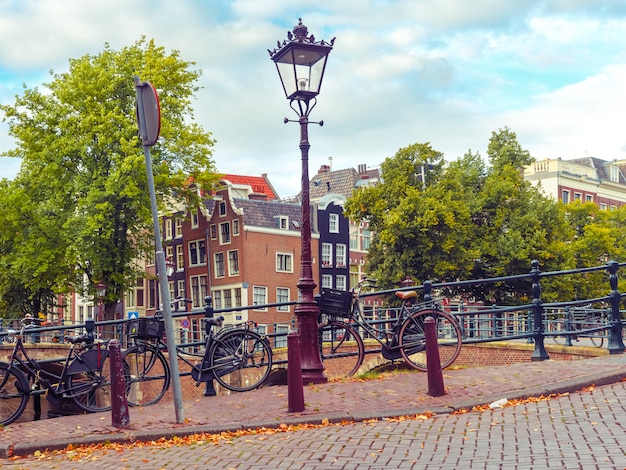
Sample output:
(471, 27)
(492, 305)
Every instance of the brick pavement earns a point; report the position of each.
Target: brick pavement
(394, 395)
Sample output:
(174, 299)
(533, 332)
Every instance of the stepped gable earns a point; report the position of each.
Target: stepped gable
(266, 214)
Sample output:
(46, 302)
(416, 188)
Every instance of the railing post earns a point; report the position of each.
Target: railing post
(539, 353)
(616, 344)
(428, 289)
(433, 360)
(119, 403)
(295, 385)
(569, 324)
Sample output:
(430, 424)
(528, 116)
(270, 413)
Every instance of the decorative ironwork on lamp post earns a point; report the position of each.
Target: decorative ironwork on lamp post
(301, 62)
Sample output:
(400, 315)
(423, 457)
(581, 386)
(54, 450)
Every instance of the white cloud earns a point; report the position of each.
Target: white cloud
(445, 71)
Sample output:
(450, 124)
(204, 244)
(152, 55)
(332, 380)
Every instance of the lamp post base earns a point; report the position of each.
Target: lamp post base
(311, 361)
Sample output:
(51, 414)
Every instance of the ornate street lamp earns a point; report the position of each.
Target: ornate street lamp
(301, 62)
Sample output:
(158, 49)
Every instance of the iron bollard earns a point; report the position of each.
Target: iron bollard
(119, 403)
(433, 361)
(295, 386)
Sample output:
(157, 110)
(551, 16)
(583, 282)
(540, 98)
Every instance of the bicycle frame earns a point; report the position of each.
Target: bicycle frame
(42, 379)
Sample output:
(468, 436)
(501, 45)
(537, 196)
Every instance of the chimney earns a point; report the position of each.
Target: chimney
(324, 169)
(257, 196)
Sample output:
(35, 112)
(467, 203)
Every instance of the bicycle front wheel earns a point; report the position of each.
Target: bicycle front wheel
(91, 389)
(147, 374)
(413, 338)
(13, 394)
(240, 360)
(341, 348)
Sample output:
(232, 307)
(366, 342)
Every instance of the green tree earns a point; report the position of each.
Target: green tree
(463, 221)
(82, 183)
(420, 219)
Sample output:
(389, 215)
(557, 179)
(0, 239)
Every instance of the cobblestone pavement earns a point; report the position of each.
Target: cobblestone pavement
(582, 430)
(579, 429)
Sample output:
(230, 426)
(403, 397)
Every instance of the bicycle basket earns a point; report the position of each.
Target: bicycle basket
(336, 302)
(145, 328)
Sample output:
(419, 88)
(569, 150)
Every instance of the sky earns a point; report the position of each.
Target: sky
(447, 72)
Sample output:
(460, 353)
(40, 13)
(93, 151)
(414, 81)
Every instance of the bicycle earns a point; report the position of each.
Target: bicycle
(84, 376)
(571, 327)
(237, 357)
(342, 346)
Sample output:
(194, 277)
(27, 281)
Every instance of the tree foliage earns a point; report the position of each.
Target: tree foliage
(79, 207)
(463, 221)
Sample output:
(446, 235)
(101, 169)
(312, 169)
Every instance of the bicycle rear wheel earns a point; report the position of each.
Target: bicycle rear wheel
(241, 360)
(147, 374)
(13, 394)
(413, 338)
(91, 389)
(341, 349)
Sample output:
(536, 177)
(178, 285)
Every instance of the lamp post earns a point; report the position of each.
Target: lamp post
(101, 290)
(301, 62)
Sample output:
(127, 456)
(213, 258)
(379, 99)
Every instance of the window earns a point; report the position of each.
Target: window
(219, 264)
(327, 281)
(354, 241)
(222, 208)
(282, 222)
(233, 263)
(236, 227)
(140, 293)
(197, 252)
(327, 255)
(213, 232)
(367, 235)
(152, 294)
(237, 297)
(588, 198)
(180, 257)
(259, 296)
(168, 229)
(181, 290)
(578, 196)
(130, 298)
(565, 197)
(198, 290)
(284, 262)
(217, 299)
(282, 295)
(340, 255)
(340, 282)
(225, 232)
(169, 253)
(281, 336)
(602, 206)
(333, 223)
(195, 220)
(178, 231)
(228, 300)
(170, 286)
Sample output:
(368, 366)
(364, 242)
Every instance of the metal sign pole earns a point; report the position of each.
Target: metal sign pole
(160, 257)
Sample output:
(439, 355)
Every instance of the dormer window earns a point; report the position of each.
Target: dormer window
(282, 222)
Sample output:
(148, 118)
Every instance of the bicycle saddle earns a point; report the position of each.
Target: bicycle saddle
(404, 295)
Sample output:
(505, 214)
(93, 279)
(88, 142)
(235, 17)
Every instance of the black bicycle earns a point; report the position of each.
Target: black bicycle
(83, 376)
(580, 322)
(343, 349)
(237, 357)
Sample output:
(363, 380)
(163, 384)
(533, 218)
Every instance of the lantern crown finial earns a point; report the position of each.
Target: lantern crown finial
(300, 31)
